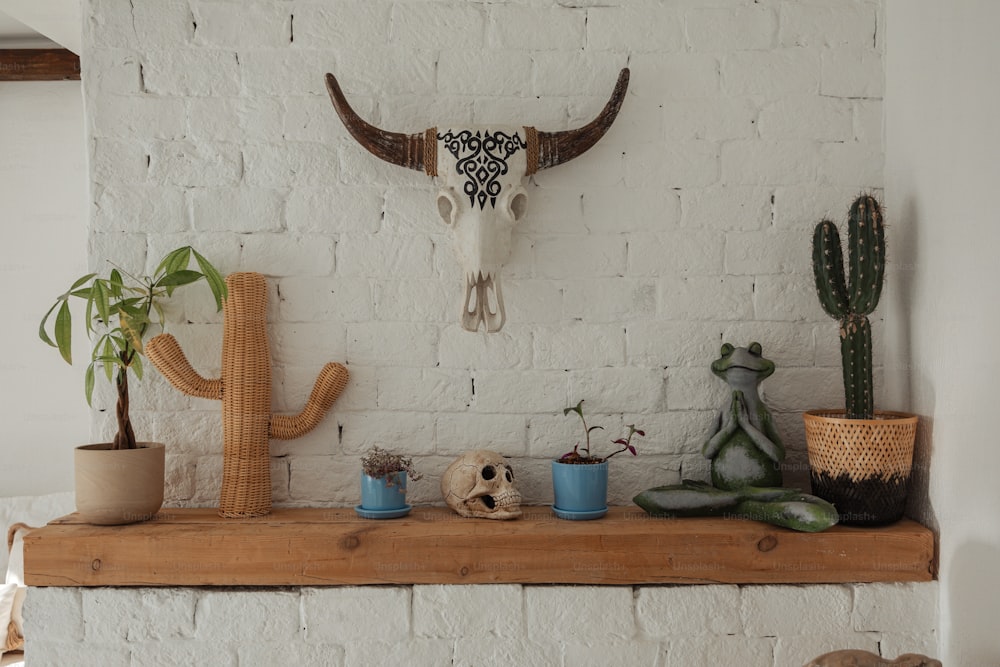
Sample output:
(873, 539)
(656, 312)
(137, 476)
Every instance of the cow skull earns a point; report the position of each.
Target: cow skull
(481, 198)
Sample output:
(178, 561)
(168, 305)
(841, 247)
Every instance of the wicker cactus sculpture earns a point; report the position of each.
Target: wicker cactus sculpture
(852, 301)
(245, 392)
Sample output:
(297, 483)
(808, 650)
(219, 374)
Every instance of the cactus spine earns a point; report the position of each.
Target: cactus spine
(851, 299)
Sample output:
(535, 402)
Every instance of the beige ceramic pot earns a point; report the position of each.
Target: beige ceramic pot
(119, 486)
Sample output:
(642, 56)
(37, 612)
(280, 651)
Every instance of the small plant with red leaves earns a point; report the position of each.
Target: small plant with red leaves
(583, 456)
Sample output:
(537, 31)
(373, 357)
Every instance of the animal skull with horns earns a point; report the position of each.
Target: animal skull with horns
(481, 198)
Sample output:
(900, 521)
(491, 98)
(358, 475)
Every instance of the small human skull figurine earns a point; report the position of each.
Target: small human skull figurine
(480, 484)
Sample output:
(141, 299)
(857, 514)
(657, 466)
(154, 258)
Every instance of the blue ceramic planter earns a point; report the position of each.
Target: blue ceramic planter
(580, 489)
(375, 495)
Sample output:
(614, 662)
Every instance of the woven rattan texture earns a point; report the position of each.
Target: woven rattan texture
(860, 448)
(245, 391)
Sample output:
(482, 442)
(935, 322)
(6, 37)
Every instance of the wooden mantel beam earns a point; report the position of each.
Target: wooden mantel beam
(39, 65)
(324, 547)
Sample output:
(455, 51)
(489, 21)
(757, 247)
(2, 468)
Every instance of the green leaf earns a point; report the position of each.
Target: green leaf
(137, 366)
(131, 329)
(116, 283)
(174, 261)
(578, 409)
(88, 384)
(81, 280)
(41, 326)
(109, 351)
(64, 331)
(215, 280)
(101, 299)
(178, 278)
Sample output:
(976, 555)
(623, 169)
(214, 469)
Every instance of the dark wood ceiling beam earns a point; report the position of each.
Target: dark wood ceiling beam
(39, 65)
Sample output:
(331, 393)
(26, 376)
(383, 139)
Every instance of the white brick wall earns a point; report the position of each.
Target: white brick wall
(659, 626)
(686, 227)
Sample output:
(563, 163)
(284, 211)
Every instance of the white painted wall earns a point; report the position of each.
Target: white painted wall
(942, 173)
(43, 249)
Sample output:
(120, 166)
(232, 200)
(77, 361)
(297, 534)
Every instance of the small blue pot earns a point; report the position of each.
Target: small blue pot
(580, 487)
(375, 495)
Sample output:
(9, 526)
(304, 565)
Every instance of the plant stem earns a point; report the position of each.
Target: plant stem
(125, 438)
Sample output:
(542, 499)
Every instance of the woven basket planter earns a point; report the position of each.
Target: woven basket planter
(862, 466)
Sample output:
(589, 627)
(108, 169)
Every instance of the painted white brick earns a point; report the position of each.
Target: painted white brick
(672, 611)
(806, 389)
(186, 163)
(509, 348)
(868, 122)
(288, 254)
(261, 654)
(802, 649)
(60, 653)
(280, 165)
(614, 652)
(460, 432)
(663, 344)
(332, 209)
(795, 610)
(807, 117)
(757, 162)
(674, 76)
(771, 73)
(428, 389)
(519, 391)
(232, 26)
(403, 432)
(609, 300)
(315, 480)
(392, 344)
(900, 608)
(247, 615)
(786, 297)
(532, 301)
(731, 650)
(727, 207)
(222, 249)
(852, 73)
(468, 611)
(319, 299)
(194, 73)
(653, 28)
(430, 300)
(112, 71)
(149, 25)
(281, 72)
(139, 614)
(895, 644)
(707, 297)
(680, 164)
(319, 26)
(618, 211)
(559, 28)
(673, 253)
(419, 26)
(674, 432)
(503, 651)
(133, 208)
(837, 25)
(802, 207)
(136, 117)
(637, 390)
(386, 72)
(785, 343)
(404, 652)
(310, 118)
(484, 73)
(54, 612)
(579, 346)
(348, 613)
(375, 255)
(115, 162)
(851, 164)
(241, 210)
(574, 612)
(767, 252)
(728, 29)
(600, 168)
(691, 389)
(713, 119)
(234, 119)
(580, 257)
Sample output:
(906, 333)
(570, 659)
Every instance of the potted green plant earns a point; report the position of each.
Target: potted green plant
(383, 484)
(580, 478)
(121, 481)
(859, 458)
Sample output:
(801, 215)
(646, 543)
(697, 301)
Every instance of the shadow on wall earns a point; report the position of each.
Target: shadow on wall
(975, 603)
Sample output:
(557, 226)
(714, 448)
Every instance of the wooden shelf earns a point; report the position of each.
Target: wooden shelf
(320, 547)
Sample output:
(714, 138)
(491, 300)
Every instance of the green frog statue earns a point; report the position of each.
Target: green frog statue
(746, 454)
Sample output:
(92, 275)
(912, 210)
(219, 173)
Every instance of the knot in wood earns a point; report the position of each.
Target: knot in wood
(767, 543)
(96, 564)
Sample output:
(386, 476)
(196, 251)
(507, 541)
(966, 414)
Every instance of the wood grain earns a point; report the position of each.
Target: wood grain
(39, 65)
(313, 546)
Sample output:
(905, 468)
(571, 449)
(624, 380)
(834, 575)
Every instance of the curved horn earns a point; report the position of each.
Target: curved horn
(405, 150)
(558, 147)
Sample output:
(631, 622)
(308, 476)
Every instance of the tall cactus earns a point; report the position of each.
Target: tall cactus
(851, 301)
